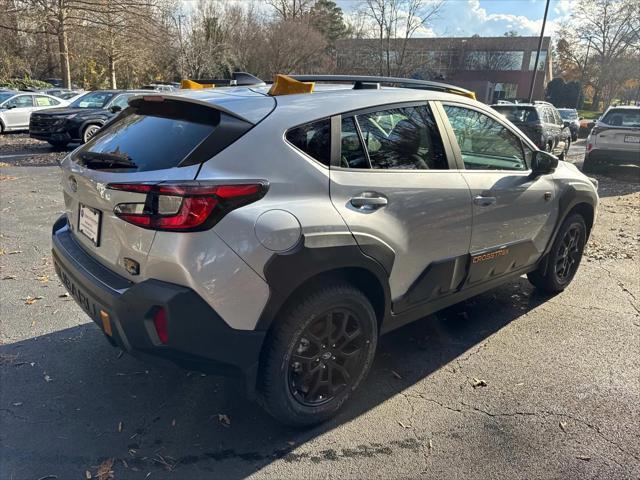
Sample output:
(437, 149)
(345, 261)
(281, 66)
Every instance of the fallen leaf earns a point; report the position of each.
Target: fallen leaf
(119, 427)
(14, 252)
(87, 475)
(43, 278)
(584, 458)
(563, 426)
(173, 422)
(224, 420)
(404, 425)
(396, 374)
(47, 378)
(31, 300)
(63, 295)
(478, 383)
(9, 277)
(430, 444)
(16, 404)
(105, 471)
(291, 443)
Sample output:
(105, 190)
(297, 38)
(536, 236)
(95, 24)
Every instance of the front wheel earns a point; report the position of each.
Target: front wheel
(89, 131)
(317, 355)
(564, 257)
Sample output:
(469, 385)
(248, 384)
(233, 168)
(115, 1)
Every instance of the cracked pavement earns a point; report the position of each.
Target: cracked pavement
(510, 384)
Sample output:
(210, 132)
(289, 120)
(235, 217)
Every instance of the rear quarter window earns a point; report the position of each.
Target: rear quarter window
(314, 139)
(161, 135)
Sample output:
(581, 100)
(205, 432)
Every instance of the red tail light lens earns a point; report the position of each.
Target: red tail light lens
(162, 325)
(188, 206)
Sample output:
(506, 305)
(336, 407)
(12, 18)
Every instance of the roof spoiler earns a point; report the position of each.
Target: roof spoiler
(361, 82)
(237, 79)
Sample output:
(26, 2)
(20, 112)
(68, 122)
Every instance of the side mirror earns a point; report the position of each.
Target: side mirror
(566, 123)
(543, 163)
(115, 109)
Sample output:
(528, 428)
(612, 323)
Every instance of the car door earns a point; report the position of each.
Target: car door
(552, 129)
(391, 181)
(513, 212)
(20, 108)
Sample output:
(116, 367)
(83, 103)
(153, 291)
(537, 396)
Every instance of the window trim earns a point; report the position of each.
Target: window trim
(335, 157)
(524, 140)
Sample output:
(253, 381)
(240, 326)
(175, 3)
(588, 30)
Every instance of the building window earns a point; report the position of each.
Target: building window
(541, 62)
(493, 60)
(505, 91)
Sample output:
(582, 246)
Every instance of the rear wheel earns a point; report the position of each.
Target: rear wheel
(89, 131)
(564, 257)
(317, 355)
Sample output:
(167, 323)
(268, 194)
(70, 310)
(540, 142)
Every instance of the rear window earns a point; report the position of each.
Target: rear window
(622, 117)
(568, 114)
(160, 135)
(518, 114)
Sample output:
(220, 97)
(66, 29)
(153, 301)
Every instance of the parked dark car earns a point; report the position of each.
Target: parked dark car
(541, 122)
(78, 122)
(570, 118)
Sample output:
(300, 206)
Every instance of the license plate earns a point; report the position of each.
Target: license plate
(631, 139)
(89, 223)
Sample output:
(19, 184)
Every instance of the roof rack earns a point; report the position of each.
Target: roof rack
(541, 102)
(373, 82)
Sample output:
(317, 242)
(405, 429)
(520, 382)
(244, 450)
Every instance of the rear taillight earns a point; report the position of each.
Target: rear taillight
(184, 206)
(589, 146)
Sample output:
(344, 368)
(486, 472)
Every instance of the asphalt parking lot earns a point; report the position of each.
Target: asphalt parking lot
(510, 384)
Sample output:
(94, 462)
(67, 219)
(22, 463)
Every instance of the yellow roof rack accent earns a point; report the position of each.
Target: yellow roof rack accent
(191, 85)
(464, 93)
(285, 85)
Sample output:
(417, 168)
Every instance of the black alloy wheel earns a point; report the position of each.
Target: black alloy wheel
(327, 358)
(569, 253)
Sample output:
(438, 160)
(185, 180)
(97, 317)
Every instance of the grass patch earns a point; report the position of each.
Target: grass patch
(588, 114)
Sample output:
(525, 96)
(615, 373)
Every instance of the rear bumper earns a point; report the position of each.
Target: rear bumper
(614, 156)
(198, 337)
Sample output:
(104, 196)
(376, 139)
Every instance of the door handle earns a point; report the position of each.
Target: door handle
(365, 202)
(484, 201)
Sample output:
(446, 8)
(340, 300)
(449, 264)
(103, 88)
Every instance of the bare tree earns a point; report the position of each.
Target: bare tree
(291, 9)
(394, 23)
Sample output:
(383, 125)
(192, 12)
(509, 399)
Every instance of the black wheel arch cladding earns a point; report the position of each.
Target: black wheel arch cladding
(288, 272)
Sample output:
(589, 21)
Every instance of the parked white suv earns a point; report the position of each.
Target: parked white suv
(615, 139)
(16, 108)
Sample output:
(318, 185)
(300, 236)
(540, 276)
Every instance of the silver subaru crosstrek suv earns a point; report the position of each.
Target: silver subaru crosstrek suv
(275, 237)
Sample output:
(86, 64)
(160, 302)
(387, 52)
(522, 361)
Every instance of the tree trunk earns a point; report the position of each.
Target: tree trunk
(112, 72)
(63, 45)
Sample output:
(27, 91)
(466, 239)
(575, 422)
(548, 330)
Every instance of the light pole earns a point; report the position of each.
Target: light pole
(535, 66)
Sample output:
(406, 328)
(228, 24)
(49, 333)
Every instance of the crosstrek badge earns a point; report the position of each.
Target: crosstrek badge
(490, 256)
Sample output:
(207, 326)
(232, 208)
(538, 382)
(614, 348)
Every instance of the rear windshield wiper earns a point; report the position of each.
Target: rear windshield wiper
(107, 160)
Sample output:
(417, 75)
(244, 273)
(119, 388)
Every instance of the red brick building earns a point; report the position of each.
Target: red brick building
(495, 68)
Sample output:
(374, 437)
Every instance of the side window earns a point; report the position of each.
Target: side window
(314, 139)
(485, 143)
(351, 151)
(121, 101)
(42, 101)
(548, 115)
(556, 116)
(403, 138)
(20, 102)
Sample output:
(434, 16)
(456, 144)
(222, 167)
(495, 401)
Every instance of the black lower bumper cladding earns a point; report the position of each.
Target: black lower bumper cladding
(199, 338)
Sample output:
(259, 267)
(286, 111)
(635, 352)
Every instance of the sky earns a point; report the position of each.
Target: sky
(490, 17)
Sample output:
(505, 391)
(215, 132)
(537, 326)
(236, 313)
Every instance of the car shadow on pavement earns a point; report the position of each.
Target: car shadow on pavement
(69, 402)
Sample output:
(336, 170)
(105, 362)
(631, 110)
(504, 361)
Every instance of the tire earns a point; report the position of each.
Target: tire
(305, 351)
(564, 258)
(89, 131)
(588, 165)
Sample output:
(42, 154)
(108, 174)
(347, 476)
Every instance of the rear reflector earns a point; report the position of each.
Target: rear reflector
(185, 206)
(161, 325)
